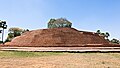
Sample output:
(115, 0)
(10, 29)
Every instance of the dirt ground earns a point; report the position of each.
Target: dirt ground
(64, 60)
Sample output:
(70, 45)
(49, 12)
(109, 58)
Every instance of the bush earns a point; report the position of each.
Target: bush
(57, 23)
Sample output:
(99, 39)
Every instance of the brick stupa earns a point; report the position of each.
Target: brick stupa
(58, 37)
(58, 34)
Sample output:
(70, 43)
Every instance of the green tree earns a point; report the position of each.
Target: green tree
(107, 35)
(57, 23)
(115, 41)
(3, 26)
(103, 34)
(14, 32)
(98, 32)
(25, 30)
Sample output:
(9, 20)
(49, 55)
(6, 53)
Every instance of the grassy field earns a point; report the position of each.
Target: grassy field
(21, 54)
(13, 59)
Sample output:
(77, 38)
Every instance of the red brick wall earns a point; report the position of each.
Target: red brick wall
(58, 37)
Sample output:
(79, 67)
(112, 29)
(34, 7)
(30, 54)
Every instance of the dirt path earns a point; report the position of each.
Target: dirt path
(66, 60)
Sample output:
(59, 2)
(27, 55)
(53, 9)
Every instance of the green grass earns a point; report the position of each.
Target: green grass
(26, 54)
(40, 54)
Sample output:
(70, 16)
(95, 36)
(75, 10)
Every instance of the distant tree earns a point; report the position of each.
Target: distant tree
(98, 32)
(103, 34)
(25, 30)
(115, 41)
(14, 32)
(107, 35)
(3, 26)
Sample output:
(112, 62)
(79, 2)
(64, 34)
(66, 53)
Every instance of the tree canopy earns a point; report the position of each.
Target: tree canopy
(57, 23)
(106, 34)
(3, 26)
(14, 32)
(116, 41)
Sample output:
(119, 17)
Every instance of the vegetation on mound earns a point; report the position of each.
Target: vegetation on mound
(106, 35)
(57, 23)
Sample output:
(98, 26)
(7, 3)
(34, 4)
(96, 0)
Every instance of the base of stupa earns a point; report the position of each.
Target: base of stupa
(62, 49)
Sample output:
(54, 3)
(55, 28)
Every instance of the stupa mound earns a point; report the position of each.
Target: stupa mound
(58, 37)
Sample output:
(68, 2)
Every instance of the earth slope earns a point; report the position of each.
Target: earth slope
(58, 37)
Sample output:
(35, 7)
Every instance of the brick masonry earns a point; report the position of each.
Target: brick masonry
(58, 37)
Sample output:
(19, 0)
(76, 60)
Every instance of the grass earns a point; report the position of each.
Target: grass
(8, 59)
(40, 54)
(26, 54)
(10, 54)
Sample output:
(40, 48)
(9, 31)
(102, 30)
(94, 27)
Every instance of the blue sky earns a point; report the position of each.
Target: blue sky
(88, 15)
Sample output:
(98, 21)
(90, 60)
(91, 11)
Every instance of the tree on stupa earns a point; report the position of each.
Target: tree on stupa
(57, 23)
